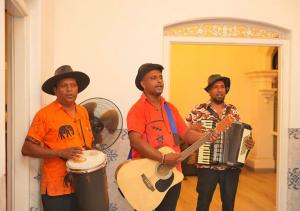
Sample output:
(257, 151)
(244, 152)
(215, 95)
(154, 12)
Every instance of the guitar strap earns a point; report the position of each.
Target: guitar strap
(172, 124)
(173, 128)
(129, 157)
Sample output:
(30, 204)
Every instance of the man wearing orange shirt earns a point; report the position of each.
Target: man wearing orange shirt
(59, 132)
(149, 127)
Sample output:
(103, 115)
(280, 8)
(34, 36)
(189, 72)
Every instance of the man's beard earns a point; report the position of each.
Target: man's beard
(155, 93)
(218, 101)
(158, 93)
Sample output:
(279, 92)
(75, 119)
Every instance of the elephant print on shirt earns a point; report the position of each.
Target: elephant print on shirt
(65, 131)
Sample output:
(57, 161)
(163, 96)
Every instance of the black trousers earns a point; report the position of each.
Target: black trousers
(66, 202)
(170, 200)
(207, 182)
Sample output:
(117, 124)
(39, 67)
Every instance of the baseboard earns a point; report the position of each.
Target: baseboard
(261, 170)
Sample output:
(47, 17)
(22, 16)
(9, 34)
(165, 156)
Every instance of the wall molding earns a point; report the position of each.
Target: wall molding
(225, 27)
(16, 8)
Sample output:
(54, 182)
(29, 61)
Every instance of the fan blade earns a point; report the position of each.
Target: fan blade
(110, 120)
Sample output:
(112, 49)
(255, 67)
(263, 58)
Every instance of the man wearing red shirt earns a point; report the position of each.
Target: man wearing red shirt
(149, 127)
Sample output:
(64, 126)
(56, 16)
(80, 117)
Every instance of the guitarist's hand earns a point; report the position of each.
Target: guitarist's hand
(197, 127)
(172, 159)
(214, 136)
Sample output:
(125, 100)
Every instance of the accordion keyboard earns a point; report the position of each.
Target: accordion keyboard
(204, 153)
(204, 150)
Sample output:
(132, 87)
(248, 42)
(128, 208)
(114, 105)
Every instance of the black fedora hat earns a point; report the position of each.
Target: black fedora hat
(143, 70)
(217, 77)
(63, 72)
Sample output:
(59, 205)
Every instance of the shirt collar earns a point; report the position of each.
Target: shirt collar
(144, 99)
(225, 109)
(208, 104)
(58, 106)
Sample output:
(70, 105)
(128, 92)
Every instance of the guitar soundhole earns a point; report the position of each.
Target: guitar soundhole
(163, 171)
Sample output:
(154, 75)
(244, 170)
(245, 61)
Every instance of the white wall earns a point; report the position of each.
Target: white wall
(110, 39)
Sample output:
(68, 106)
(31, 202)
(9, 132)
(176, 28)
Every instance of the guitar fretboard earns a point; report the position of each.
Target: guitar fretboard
(188, 151)
(220, 127)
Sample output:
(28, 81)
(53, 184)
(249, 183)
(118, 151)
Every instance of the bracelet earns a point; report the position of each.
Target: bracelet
(163, 159)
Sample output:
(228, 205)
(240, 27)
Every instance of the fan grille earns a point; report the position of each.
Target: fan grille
(106, 121)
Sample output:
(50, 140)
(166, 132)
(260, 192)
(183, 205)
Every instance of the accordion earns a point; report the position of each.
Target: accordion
(229, 149)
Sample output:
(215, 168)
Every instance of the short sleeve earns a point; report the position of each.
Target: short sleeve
(37, 129)
(196, 114)
(234, 112)
(136, 120)
(190, 117)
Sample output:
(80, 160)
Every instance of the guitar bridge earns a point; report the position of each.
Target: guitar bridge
(147, 182)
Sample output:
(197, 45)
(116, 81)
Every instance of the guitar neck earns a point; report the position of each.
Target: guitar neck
(188, 151)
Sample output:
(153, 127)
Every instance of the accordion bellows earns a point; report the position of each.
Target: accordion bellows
(229, 150)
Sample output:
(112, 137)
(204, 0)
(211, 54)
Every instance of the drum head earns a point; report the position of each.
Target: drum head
(89, 160)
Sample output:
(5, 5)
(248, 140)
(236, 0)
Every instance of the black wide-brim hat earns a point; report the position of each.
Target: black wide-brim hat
(143, 70)
(63, 72)
(217, 77)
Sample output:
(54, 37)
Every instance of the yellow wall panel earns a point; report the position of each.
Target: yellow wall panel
(191, 64)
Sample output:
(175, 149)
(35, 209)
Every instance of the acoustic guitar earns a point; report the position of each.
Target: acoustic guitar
(145, 182)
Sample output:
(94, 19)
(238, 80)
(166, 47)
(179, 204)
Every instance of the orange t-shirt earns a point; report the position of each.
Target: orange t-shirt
(56, 129)
(155, 128)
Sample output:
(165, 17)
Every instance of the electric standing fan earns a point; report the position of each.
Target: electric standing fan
(106, 121)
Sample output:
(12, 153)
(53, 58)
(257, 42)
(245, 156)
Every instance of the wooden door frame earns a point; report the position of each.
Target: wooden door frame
(2, 109)
(24, 94)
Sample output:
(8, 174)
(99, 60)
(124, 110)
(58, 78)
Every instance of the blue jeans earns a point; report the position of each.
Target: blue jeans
(207, 182)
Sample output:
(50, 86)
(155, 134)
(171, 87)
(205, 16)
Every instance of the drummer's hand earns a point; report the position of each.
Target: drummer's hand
(172, 159)
(249, 142)
(70, 153)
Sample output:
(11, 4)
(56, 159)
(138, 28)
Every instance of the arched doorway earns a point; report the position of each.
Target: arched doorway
(232, 32)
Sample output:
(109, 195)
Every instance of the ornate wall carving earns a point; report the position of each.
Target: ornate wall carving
(234, 30)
